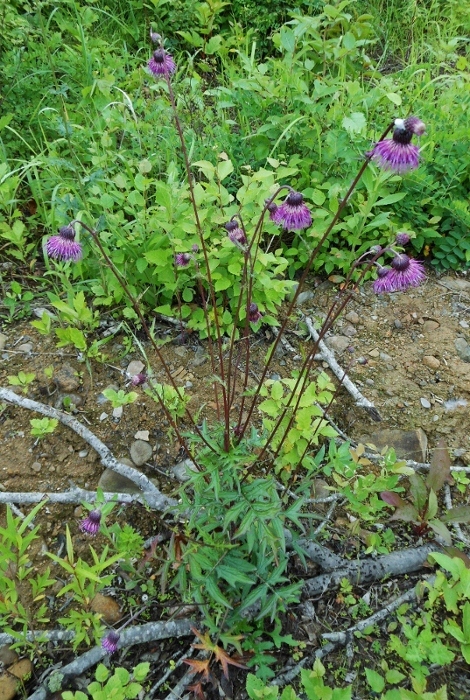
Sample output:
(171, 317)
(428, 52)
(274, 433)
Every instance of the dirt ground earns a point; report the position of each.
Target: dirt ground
(407, 352)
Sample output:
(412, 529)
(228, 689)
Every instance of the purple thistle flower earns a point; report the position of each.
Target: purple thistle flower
(138, 379)
(155, 37)
(272, 207)
(91, 524)
(406, 272)
(64, 246)
(382, 283)
(110, 642)
(254, 314)
(415, 125)
(293, 214)
(398, 153)
(235, 233)
(182, 259)
(195, 248)
(161, 63)
(402, 239)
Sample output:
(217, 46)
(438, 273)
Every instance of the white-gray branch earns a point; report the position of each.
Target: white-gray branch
(157, 501)
(139, 634)
(339, 372)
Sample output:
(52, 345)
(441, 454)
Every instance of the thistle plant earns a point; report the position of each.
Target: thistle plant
(230, 557)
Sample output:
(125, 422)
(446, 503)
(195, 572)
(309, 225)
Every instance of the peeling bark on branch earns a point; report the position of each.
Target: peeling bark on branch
(366, 570)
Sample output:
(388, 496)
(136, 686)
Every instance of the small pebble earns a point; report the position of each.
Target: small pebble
(25, 347)
(141, 452)
(397, 323)
(275, 377)
(425, 403)
(83, 453)
(352, 317)
(134, 367)
(3, 340)
(374, 353)
(464, 324)
(103, 416)
(188, 385)
(36, 466)
(117, 412)
(431, 362)
(142, 435)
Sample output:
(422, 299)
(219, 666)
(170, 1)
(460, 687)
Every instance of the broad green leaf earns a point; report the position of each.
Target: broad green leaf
(355, 123)
(440, 529)
(375, 680)
(459, 514)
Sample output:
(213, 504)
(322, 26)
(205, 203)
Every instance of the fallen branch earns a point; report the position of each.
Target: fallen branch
(140, 634)
(347, 636)
(404, 561)
(327, 356)
(158, 500)
(75, 495)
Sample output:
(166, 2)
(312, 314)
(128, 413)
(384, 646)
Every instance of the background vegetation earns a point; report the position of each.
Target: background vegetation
(84, 132)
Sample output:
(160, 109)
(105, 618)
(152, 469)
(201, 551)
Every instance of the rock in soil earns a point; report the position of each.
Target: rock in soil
(408, 444)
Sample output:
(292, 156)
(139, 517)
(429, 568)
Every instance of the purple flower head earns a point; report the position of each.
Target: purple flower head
(155, 37)
(91, 524)
(382, 283)
(195, 248)
(398, 153)
(235, 233)
(415, 125)
(272, 208)
(138, 379)
(161, 63)
(402, 239)
(376, 249)
(293, 214)
(405, 272)
(64, 246)
(182, 259)
(110, 642)
(254, 314)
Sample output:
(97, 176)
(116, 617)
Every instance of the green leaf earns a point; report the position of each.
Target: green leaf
(355, 123)
(224, 169)
(215, 592)
(390, 199)
(101, 673)
(287, 39)
(141, 671)
(375, 680)
(394, 98)
(440, 529)
(459, 514)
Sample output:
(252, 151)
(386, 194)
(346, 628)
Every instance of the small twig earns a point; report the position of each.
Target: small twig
(284, 678)
(339, 372)
(326, 519)
(179, 655)
(346, 636)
